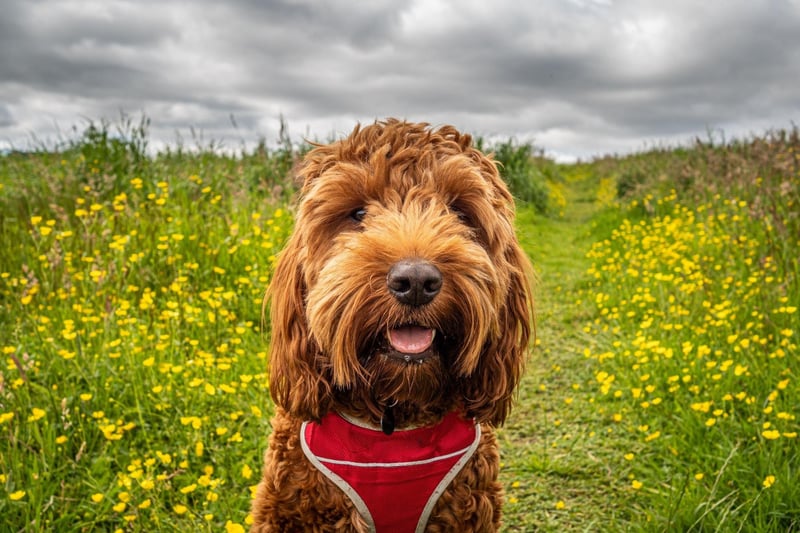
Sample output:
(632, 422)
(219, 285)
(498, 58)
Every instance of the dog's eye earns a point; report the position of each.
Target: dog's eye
(358, 214)
(461, 214)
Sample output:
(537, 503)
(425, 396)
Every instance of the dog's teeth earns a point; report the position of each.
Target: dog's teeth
(407, 358)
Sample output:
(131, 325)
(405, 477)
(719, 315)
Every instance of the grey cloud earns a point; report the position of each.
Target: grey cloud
(587, 76)
(5, 117)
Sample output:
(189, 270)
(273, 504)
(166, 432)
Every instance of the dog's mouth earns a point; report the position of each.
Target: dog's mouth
(411, 342)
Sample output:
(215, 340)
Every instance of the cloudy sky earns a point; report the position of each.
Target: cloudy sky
(576, 77)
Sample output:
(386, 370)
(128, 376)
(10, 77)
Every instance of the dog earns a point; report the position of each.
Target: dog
(401, 315)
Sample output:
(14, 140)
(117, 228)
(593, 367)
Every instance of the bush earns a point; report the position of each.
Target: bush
(518, 168)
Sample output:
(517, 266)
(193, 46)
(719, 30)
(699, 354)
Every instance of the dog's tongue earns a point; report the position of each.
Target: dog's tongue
(411, 339)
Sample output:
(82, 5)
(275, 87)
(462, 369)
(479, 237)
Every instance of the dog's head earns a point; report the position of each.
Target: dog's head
(403, 280)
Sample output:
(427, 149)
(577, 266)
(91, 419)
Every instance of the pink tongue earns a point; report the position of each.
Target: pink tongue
(411, 339)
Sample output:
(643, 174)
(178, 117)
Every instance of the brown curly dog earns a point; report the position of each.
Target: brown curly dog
(401, 315)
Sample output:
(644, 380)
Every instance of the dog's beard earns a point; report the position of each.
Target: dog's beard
(407, 359)
(415, 389)
(351, 326)
(421, 383)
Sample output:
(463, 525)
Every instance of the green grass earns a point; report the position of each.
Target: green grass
(132, 393)
(662, 394)
(556, 465)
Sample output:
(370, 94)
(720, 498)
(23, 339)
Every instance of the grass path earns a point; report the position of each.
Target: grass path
(555, 470)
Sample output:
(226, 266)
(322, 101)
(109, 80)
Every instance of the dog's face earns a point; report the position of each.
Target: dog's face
(403, 281)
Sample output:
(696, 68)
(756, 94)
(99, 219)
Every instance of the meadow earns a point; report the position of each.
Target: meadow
(662, 394)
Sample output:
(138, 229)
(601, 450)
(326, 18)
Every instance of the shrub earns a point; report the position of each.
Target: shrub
(522, 170)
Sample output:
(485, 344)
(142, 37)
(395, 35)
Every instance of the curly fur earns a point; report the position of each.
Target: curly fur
(422, 193)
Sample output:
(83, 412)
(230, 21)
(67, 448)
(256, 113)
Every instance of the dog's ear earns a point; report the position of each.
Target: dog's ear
(490, 389)
(294, 379)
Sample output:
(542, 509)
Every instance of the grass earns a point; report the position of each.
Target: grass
(133, 388)
(557, 467)
(662, 394)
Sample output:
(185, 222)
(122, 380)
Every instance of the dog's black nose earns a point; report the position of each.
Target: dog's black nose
(414, 281)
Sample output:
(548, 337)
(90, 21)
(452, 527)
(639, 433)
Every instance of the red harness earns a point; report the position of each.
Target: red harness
(393, 480)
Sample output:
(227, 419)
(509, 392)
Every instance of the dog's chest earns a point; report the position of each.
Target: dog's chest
(393, 480)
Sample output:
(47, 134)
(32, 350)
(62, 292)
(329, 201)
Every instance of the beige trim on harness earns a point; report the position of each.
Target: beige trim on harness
(361, 505)
(337, 480)
(442, 486)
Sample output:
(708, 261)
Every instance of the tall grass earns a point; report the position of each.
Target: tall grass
(528, 173)
(132, 393)
(695, 347)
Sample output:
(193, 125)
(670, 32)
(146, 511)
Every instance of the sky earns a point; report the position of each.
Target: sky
(577, 78)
